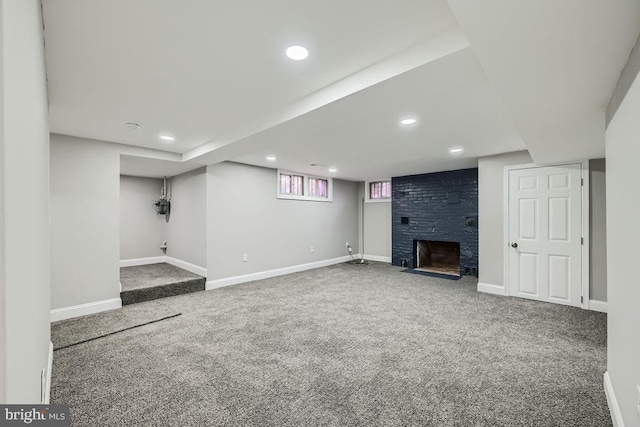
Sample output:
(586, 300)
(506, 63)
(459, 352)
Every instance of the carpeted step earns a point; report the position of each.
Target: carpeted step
(153, 281)
(147, 294)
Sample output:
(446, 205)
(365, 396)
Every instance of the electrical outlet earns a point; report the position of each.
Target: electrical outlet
(311, 249)
(245, 257)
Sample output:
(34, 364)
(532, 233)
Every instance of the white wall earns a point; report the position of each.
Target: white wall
(623, 235)
(25, 223)
(85, 217)
(597, 230)
(377, 229)
(245, 217)
(142, 230)
(187, 227)
(491, 214)
(3, 322)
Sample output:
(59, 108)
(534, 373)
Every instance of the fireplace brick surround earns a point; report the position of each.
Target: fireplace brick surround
(440, 206)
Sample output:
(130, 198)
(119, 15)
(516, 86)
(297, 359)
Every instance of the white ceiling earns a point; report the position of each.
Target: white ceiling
(514, 75)
(364, 129)
(554, 64)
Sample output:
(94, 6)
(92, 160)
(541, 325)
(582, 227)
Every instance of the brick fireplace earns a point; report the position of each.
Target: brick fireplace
(441, 211)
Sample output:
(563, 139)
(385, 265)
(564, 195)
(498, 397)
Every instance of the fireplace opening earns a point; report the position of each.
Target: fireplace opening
(438, 257)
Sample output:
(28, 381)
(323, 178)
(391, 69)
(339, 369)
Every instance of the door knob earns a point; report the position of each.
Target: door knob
(514, 245)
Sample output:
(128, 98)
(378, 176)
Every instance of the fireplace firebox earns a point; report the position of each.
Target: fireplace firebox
(437, 257)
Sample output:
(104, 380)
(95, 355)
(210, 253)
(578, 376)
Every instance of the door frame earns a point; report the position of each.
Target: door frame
(584, 194)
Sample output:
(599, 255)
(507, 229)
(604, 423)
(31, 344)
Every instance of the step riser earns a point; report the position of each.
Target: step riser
(168, 290)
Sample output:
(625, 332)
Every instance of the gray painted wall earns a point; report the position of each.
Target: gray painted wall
(491, 214)
(623, 291)
(24, 173)
(187, 227)
(244, 216)
(85, 217)
(357, 245)
(597, 230)
(377, 226)
(377, 229)
(142, 230)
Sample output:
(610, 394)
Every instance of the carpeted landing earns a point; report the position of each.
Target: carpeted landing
(336, 346)
(153, 281)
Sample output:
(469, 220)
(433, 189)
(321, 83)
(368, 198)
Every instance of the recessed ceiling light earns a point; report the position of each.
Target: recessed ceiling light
(132, 125)
(408, 121)
(333, 170)
(271, 158)
(167, 138)
(456, 150)
(297, 53)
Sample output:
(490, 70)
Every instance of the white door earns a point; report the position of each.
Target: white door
(545, 234)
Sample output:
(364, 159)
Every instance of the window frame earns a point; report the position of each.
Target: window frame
(305, 187)
(315, 178)
(367, 190)
(291, 175)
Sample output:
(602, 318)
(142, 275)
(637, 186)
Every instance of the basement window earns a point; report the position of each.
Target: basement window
(318, 187)
(291, 184)
(378, 191)
(298, 186)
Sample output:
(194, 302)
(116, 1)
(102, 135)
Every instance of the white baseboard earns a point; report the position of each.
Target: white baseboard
(236, 280)
(491, 289)
(596, 305)
(47, 384)
(616, 415)
(378, 258)
(84, 309)
(195, 269)
(142, 261)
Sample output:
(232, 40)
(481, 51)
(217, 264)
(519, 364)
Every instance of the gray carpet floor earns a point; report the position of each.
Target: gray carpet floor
(337, 346)
(153, 281)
